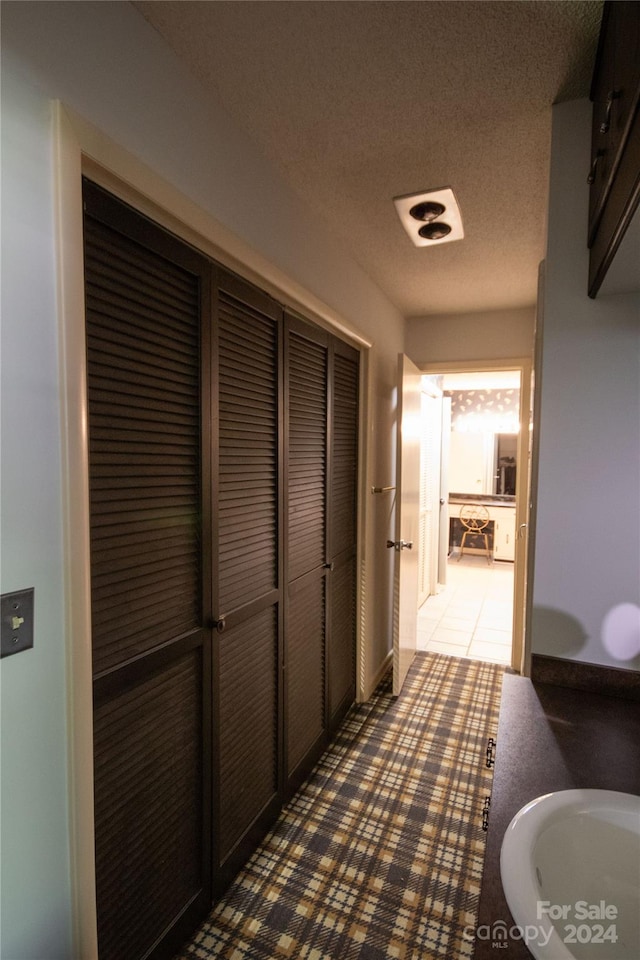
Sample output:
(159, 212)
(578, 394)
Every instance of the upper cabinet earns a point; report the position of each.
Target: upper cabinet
(614, 176)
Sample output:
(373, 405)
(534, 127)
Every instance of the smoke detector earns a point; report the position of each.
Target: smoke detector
(430, 217)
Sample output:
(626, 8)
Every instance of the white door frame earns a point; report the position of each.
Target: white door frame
(520, 654)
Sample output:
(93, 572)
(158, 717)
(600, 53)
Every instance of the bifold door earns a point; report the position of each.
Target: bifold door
(148, 317)
(247, 568)
(222, 467)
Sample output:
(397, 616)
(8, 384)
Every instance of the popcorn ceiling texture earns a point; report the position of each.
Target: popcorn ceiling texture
(358, 102)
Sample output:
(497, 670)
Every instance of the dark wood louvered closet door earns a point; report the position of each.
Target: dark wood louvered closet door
(342, 530)
(222, 473)
(147, 299)
(306, 384)
(248, 558)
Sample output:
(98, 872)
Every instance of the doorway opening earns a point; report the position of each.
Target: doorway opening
(473, 464)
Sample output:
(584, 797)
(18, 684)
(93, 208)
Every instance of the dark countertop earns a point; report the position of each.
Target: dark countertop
(493, 500)
(550, 738)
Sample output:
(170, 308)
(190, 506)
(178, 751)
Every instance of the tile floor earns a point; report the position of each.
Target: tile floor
(472, 615)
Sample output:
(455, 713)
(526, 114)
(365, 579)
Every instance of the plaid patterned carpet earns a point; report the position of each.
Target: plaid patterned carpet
(380, 853)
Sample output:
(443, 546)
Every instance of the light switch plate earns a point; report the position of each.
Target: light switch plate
(16, 611)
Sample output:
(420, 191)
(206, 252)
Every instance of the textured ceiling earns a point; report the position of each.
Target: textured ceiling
(358, 102)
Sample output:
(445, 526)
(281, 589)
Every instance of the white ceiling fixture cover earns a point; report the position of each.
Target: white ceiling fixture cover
(450, 215)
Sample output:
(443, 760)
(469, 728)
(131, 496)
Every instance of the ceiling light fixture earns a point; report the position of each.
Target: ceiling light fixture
(427, 211)
(430, 217)
(435, 231)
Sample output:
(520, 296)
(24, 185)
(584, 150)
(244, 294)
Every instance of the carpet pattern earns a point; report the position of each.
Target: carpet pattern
(380, 853)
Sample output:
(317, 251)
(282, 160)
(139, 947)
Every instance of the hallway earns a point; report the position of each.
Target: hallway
(380, 853)
(472, 617)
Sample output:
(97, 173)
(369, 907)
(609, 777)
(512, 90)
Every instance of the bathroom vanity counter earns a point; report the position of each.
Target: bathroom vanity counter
(549, 738)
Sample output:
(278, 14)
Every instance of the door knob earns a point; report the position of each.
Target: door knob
(400, 544)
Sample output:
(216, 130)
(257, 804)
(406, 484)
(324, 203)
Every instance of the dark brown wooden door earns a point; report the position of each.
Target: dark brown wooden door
(147, 321)
(247, 445)
(222, 465)
(322, 392)
(306, 445)
(342, 494)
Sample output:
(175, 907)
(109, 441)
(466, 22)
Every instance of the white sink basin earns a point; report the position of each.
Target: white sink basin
(570, 868)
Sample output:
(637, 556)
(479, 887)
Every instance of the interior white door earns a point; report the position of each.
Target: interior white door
(443, 521)
(430, 447)
(405, 546)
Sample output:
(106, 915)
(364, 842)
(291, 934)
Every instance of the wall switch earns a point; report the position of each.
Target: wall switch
(16, 612)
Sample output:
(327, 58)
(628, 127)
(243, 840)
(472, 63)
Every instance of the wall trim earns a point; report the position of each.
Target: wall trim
(75, 510)
(81, 149)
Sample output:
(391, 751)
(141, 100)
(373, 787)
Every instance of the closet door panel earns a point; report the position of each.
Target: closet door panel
(248, 707)
(149, 838)
(306, 383)
(344, 452)
(341, 654)
(144, 448)
(147, 303)
(248, 452)
(306, 714)
(248, 570)
(342, 533)
(307, 454)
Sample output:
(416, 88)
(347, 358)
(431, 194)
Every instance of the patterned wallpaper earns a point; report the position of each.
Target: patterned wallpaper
(500, 402)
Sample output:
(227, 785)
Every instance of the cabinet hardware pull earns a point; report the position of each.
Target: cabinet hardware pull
(606, 123)
(485, 814)
(592, 173)
(491, 745)
(220, 624)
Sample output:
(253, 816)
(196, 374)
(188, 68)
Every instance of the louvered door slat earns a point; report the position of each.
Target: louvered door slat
(146, 428)
(307, 373)
(248, 452)
(344, 454)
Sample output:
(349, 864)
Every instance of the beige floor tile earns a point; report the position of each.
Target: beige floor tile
(496, 652)
(493, 636)
(426, 628)
(457, 637)
(452, 649)
(464, 624)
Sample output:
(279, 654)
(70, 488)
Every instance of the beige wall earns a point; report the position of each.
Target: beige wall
(482, 336)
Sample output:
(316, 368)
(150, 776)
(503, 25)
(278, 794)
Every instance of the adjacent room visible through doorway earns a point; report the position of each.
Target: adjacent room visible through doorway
(471, 457)
(472, 615)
